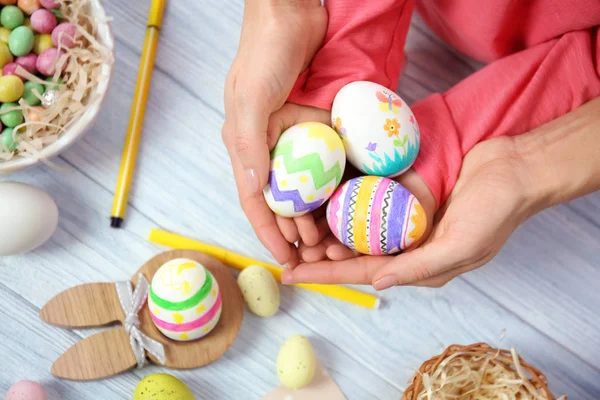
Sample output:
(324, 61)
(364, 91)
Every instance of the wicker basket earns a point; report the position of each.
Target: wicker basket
(503, 358)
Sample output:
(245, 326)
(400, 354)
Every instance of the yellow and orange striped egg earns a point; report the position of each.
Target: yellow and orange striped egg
(184, 300)
(375, 215)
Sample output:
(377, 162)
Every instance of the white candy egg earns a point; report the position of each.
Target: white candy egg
(379, 130)
(307, 165)
(28, 217)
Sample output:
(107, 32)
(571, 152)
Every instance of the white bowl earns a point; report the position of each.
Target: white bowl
(84, 122)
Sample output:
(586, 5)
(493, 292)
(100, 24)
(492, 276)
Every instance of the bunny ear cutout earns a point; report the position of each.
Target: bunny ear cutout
(84, 306)
(99, 356)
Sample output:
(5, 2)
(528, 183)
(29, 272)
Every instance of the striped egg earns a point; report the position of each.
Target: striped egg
(307, 165)
(184, 300)
(375, 215)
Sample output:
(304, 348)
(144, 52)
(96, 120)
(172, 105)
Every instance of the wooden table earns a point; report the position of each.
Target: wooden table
(540, 294)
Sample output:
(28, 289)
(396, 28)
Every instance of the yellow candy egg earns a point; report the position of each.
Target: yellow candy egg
(42, 42)
(4, 34)
(5, 55)
(296, 363)
(27, 23)
(162, 387)
(11, 88)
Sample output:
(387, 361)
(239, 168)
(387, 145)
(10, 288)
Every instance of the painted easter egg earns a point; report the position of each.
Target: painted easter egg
(375, 215)
(379, 130)
(307, 165)
(184, 300)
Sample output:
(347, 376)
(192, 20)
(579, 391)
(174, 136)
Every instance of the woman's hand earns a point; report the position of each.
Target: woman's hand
(278, 41)
(487, 204)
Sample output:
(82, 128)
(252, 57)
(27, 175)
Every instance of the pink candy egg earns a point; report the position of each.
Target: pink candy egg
(28, 62)
(46, 61)
(10, 69)
(26, 390)
(49, 4)
(43, 21)
(65, 33)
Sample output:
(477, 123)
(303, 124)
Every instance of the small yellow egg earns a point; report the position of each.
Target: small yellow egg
(11, 88)
(260, 290)
(5, 55)
(162, 387)
(42, 42)
(4, 34)
(27, 23)
(296, 362)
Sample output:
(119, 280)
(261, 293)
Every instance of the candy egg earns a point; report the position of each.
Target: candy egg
(14, 117)
(8, 140)
(10, 68)
(8, 2)
(64, 33)
(29, 214)
(50, 4)
(5, 55)
(11, 88)
(184, 300)
(20, 41)
(47, 60)
(11, 17)
(375, 215)
(296, 362)
(43, 21)
(29, 6)
(26, 390)
(380, 132)
(260, 290)
(307, 165)
(4, 34)
(162, 387)
(29, 93)
(28, 62)
(42, 42)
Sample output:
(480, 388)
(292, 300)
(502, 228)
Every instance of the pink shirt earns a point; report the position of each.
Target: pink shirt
(543, 55)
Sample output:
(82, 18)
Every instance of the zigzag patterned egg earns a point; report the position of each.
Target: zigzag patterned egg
(379, 130)
(184, 300)
(307, 165)
(375, 215)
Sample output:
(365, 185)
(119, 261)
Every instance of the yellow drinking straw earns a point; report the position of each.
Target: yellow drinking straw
(240, 262)
(138, 109)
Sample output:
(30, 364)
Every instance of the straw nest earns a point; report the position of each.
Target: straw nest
(477, 372)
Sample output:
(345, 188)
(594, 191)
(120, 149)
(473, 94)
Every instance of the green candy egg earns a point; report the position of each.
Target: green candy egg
(11, 118)
(7, 139)
(57, 13)
(20, 41)
(53, 85)
(28, 93)
(11, 17)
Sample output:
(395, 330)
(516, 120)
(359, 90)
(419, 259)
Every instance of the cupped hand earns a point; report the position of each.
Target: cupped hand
(487, 204)
(278, 41)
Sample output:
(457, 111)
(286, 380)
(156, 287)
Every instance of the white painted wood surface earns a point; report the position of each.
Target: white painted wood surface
(542, 288)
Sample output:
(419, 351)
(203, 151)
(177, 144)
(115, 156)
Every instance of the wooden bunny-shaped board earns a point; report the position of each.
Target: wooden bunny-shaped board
(109, 352)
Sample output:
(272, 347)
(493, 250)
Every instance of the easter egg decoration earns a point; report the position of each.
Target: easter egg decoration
(26, 390)
(307, 165)
(379, 130)
(260, 290)
(296, 362)
(162, 387)
(375, 215)
(184, 300)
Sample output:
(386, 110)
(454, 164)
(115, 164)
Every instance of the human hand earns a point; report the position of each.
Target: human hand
(278, 40)
(490, 200)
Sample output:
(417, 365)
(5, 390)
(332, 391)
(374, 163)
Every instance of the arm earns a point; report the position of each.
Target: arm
(364, 41)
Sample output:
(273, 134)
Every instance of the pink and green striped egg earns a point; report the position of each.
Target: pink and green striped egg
(184, 300)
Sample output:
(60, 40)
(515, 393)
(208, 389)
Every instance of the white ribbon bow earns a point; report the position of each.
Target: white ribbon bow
(132, 303)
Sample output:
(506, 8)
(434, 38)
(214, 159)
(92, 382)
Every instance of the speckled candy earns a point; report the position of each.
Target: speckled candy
(29, 6)
(11, 17)
(10, 69)
(184, 300)
(46, 61)
(49, 4)
(4, 34)
(380, 132)
(26, 390)
(375, 215)
(42, 42)
(20, 41)
(11, 88)
(11, 118)
(5, 55)
(307, 164)
(65, 33)
(28, 62)
(43, 21)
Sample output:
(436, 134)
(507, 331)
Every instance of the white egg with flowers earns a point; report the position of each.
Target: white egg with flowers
(380, 132)
(307, 165)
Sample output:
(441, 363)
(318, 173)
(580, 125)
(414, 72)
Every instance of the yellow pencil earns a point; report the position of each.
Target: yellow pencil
(138, 109)
(240, 262)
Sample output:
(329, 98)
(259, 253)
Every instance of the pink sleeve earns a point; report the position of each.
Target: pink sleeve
(364, 41)
(508, 97)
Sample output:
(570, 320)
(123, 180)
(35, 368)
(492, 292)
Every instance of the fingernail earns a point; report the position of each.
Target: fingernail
(385, 282)
(286, 279)
(252, 180)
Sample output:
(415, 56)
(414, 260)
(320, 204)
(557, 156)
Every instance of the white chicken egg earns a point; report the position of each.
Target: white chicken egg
(379, 130)
(307, 165)
(28, 217)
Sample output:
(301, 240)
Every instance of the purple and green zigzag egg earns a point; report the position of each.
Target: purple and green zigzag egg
(375, 215)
